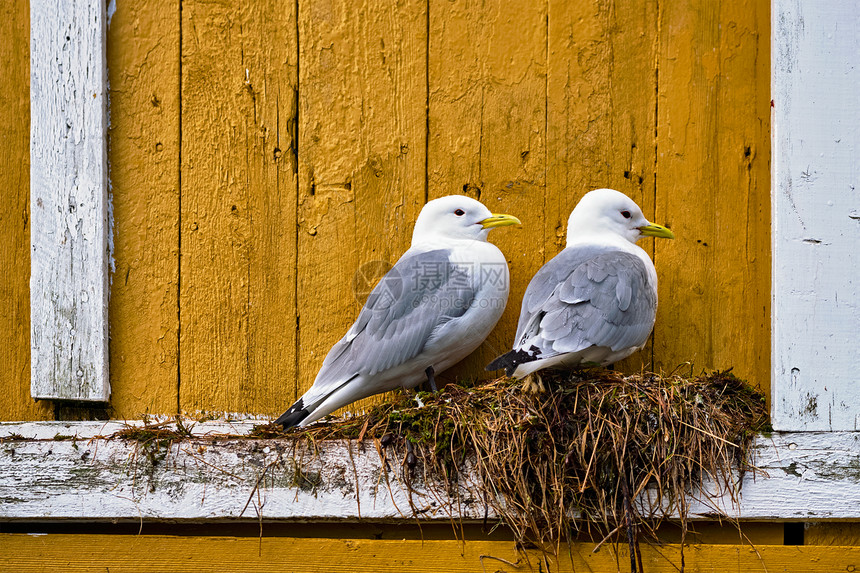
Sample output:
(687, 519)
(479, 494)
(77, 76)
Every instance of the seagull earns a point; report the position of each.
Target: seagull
(596, 301)
(432, 309)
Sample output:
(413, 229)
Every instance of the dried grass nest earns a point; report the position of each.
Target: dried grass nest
(577, 456)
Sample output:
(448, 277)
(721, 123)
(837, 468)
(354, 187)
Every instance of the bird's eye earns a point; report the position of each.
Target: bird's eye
(625, 214)
(459, 212)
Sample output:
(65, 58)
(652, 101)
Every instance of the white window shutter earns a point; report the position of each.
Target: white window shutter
(68, 200)
(816, 215)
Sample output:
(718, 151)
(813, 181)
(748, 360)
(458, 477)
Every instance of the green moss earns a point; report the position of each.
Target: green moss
(586, 444)
(589, 444)
(304, 479)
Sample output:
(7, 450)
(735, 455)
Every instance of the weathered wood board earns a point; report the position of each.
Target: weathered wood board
(712, 178)
(804, 476)
(121, 553)
(144, 149)
(816, 208)
(237, 209)
(15, 401)
(69, 253)
(601, 120)
(361, 163)
(486, 120)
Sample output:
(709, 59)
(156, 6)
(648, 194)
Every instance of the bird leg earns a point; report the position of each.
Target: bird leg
(431, 381)
(533, 384)
(410, 460)
(527, 385)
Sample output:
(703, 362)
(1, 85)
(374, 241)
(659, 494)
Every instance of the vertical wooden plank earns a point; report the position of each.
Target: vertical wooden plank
(143, 66)
(68, 201)
(362, 124)
(15, 401)
(601, 114)
(238, 206)
(487, 133)
(713, 187)
(816, 214)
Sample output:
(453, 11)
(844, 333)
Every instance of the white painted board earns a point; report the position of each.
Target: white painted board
(68, 201)
(806, 476)
(816, 215)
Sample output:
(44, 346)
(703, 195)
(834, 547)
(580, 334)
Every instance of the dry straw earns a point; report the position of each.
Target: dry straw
(598, 453)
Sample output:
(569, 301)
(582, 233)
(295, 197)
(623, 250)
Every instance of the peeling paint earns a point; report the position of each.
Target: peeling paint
(816, 475)
(814, 244)
(69, 245)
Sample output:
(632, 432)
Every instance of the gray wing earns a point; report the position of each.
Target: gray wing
(419, 294)
(588, 296)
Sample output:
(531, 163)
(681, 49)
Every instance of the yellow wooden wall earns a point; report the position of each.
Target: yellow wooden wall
(264, 152)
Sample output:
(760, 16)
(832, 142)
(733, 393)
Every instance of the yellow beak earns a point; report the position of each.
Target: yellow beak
(499, 220)
(653, 230)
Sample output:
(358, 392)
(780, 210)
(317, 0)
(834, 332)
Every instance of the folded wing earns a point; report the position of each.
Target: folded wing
(419, 294)
(584, 297)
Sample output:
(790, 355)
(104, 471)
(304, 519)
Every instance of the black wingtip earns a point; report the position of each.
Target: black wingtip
(293, 416)
(499, 363)
(510, 360)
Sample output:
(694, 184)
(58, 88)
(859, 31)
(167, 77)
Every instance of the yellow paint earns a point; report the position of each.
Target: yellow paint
(119, 553)
(144, 168)
(361, 162)
(237, 206)
(836, 533)
(265, 170)
(601, 94)
(487, 117)
(15, 401)
(713, 149)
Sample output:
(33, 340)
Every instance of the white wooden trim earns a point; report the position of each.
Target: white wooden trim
(816, 215)
(68, 200)
(803, 476)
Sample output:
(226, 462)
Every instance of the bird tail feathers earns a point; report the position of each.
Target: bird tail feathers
(300, 412)
(510, 360)
(293, 416)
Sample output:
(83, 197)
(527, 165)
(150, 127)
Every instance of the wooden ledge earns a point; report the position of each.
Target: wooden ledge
(202, 554)
(64, 470)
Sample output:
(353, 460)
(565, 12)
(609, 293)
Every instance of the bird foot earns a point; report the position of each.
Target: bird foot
(430, 383)
(533, 384)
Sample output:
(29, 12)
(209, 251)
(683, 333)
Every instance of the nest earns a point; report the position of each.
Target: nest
(600, 452)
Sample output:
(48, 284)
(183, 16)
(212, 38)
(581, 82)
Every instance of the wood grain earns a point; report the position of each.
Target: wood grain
(341, 129)
(120, 553)
(143, 63)
(15, 401)
(62, 471)
(487, 134)
(361, 157)
(832, 533)
(601, 97)
(69, 201)
(816, 264)
(713, 116)
(238, 206)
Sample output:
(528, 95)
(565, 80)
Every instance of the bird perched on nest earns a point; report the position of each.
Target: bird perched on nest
(595, 302)
(433, 308)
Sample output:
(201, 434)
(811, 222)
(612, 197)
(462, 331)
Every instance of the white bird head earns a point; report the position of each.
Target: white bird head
(457, 217)
(610, 212)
